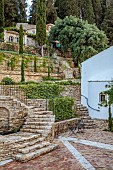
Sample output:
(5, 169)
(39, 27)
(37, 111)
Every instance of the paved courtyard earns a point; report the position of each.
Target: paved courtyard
(76, 152)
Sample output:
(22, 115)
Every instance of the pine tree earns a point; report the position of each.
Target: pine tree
(97, 11)
(1, 18)
(41, 24)
(107, 24)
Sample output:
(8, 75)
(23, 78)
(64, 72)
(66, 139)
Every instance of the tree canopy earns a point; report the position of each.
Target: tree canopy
(83, 39)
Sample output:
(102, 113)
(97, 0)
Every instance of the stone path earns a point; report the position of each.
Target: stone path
(62, 158)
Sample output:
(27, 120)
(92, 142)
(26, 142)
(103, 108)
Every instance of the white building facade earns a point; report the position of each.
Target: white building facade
(13, 36)
(97, 73)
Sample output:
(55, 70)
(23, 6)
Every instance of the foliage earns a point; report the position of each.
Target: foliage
(12, 62)
(2, 57)
(82, 38)
(7, 81)
(33, 36)
(12, 29)
(109, 103)
(110, 125)
(45, 78)
(34, 91)
(21, 40)
(62, 107)
(67, 83)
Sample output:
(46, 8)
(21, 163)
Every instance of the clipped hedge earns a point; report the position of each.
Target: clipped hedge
(62, 107)
(37, 91)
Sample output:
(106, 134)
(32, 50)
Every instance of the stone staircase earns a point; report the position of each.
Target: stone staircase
(33, 147)
(82, 112)
(38, 122)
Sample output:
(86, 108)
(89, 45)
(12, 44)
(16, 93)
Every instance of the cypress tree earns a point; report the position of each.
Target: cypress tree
(22, 69)
(35, 64)
(51, 14)
(21, 52)
(1, 18)
(41, 24)
(21, 40)
(67, 8)
(107, 24)
(97, 11)
(87, 11)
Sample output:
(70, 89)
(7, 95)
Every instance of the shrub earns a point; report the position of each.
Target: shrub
(7, 81)
(35, 91)
(62, 108)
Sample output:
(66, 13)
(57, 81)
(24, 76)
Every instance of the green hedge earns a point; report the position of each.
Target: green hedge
(62, 108)
(35, 91)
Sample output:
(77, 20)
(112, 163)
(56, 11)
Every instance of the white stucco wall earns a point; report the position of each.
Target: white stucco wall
(32, 31)
(96, 72)
(94, 89)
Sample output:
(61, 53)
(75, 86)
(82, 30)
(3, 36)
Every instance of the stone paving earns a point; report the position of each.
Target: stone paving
(62, 159)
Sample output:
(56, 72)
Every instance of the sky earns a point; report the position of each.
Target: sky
(29, 2)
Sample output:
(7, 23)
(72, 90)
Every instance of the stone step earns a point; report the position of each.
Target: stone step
(42, 112)
(89, 126)
(40, 116)
(83, 114)
(38, 123)
(40, 119)
(36, 127)
(86, 117)
(39, 131)
(34, 147)
(31, 155)
(37, 109)
(88, 121)
(27, 137)
(29, 143)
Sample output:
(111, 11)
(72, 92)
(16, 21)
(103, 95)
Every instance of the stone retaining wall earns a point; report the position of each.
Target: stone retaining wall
(63, 126)
(101, 124)
(12, 113)
(72, 91)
